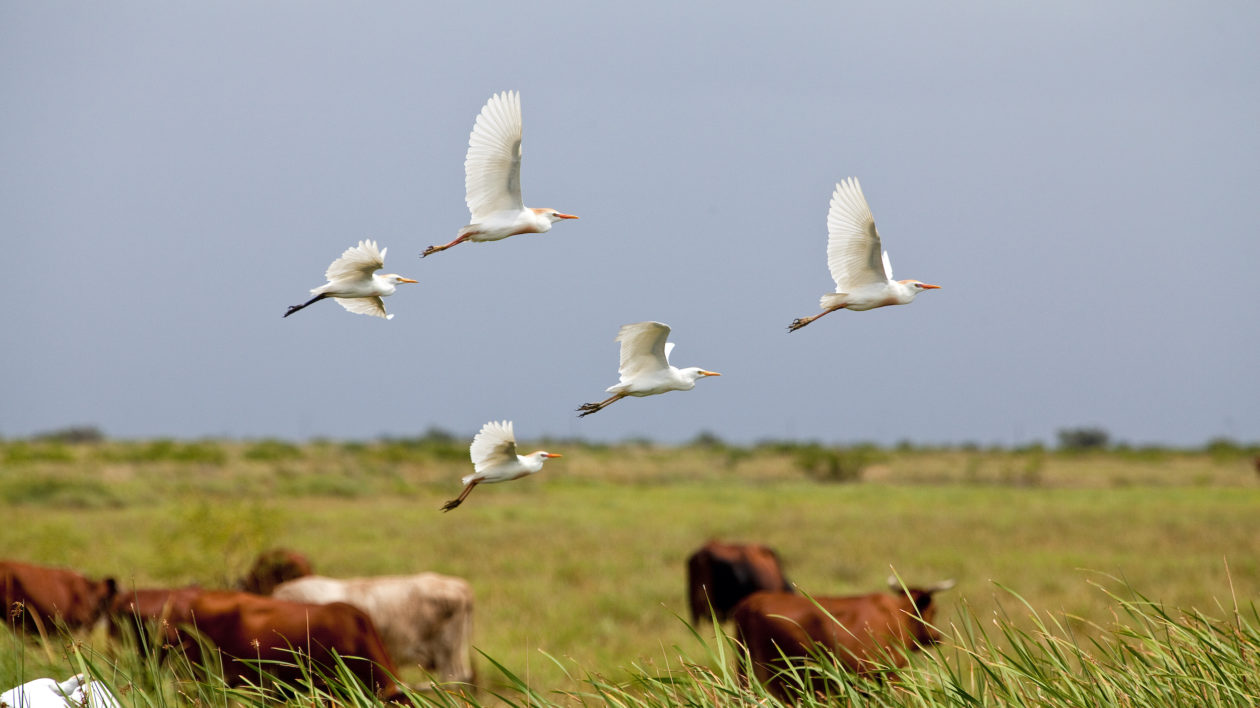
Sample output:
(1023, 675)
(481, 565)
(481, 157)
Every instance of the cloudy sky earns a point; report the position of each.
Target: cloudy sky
(1081, 178)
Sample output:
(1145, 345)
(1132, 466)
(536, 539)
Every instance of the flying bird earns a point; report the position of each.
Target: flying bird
(492, 178)
(645, 369)
(353, 283)
(863, 278)
(493, 452)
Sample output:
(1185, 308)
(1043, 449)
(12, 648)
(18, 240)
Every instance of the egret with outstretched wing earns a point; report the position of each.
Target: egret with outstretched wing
(492, 178)
(354, 284)
(493, 453)
(645, 368)
(857, 261)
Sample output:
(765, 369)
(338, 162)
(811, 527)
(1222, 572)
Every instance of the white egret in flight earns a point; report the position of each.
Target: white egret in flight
(858, 264)
(492, 178)
(493, 453)
(353, 283)
(645, 368)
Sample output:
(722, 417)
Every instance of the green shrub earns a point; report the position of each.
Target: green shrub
(273, 451)
(836, 464)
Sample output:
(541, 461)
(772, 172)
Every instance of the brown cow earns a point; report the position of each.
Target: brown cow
(248, 628)
(153, 615)
(50, 595)
(272, 567)
(863, 632)
(721, 574)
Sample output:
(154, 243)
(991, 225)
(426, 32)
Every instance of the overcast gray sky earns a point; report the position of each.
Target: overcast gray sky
(1081, 178)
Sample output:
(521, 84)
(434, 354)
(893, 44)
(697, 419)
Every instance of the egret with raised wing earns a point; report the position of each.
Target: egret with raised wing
(857, 261)
(645, 368)
(493, 453)
(354, 284)
(492, 178)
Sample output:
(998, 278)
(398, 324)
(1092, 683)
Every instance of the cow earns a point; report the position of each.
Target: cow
(40, 597)
(152, 616)
(864, 633)
(719, 575)
(272, 567)
(247, 629)
(424, 619)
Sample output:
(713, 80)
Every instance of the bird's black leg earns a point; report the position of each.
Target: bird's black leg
(588, 408)
(295, 308)
(462, 495)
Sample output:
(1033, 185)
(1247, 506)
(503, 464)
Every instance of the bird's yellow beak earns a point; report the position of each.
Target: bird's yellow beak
(925, 286)
(552, 454)
(406, 280)
(565, 216)
(709, 373)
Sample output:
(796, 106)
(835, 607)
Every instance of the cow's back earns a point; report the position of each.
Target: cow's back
(720, 575)
(424, 619)
(250, 627)
(49, 595)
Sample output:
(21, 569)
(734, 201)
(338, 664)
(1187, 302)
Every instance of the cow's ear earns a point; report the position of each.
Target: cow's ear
(111, 587)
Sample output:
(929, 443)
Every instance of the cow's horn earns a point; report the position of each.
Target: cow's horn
(942, 586)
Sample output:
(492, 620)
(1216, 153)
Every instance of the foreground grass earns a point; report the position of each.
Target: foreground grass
(1147, 656)
(579, 572)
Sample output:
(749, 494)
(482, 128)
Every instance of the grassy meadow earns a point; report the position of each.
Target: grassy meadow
(579, 571)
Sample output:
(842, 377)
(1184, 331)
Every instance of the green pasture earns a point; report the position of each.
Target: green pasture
(581, 570)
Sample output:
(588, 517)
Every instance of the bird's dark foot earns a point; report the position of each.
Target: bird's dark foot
(798, 323)
(452, 504)
(292, 309)
(588, 408)
(430, 251)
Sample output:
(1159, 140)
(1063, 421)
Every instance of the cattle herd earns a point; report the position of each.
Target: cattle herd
(281, 615)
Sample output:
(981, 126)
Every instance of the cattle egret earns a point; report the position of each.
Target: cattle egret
(79, 691)
(863, 278)
(353, 283)
(492, 178)
(645, 369)
(493, 453)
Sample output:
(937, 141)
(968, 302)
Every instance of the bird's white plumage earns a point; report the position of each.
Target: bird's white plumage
(356, 263)
(494, 445)
(492, 167)
(643, 349)
(857, 261)
(854, 254)
(373, 306)
(354, 283)
(79, 691)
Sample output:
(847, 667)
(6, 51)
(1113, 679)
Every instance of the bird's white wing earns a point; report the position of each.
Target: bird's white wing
(642, 348)
(357, 262)
(492, 168)
(853, 248)
(887, 266)
(364, 306)
(494, 445)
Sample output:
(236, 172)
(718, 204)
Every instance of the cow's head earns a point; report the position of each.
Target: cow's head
(99, 600)
(924, 612)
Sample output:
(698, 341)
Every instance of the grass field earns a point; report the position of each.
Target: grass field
(585, 563)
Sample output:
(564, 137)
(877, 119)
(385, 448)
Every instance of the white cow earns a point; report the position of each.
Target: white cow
(78, 691)
(424, 619)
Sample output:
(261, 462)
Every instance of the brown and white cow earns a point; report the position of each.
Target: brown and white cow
(248, 628)
(39, 597)
(272, 567)
(863, 632)
(721, 574)
(424, 619)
